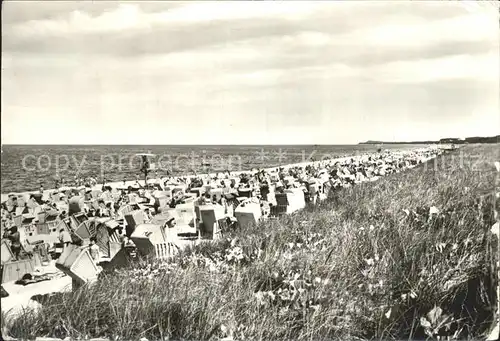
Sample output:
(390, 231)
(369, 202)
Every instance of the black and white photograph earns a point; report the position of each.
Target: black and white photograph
(250, 170)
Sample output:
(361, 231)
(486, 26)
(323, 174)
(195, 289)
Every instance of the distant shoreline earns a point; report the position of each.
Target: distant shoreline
(115, 184)
(477, 139)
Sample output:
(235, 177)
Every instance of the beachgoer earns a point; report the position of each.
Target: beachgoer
(15, 241)
(64, 238)
(94, 249)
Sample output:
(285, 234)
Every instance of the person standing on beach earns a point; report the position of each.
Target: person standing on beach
(15, 241)
(94, 249)
(64, 238)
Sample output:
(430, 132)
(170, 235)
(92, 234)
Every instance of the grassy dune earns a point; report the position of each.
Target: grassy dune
(371, 262)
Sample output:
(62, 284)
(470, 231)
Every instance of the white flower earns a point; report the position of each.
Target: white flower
(259, 295)
(372, 227)
(317, 280)
(369, 261)
(316, 307)
(495, 228)
(433, 210)
(440, 247)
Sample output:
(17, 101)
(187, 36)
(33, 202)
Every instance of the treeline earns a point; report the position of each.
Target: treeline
(476, 139)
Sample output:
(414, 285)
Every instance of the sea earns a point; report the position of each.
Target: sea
(27, 167)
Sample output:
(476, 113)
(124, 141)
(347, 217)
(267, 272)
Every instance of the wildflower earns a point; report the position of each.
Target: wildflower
(433, 210)
(316, 307)
(290, 245)
(495, 228)
(413, 294)
(372, 227)
(370, 288)
(285, 295)
(259, 295)
(283, 311)
(403, 296)
(376, 258)
(317, 280)
(388, 313)
(440, 247)
(271, 295)
(369, 261)
(406, 211)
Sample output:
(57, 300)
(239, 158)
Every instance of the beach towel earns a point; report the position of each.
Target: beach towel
(30, 279)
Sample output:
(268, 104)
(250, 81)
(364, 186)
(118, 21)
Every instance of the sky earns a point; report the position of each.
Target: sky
(228, 72)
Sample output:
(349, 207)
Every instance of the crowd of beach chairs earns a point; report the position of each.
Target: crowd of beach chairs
(106, 225)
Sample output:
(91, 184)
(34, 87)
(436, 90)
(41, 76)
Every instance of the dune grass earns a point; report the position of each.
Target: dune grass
(373, 261)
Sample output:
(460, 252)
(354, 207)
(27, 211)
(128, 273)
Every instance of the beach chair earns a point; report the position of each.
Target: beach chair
(15, 270)
(77, 263)
(186, 216)
(199, 191)
(248, 213)
(86, 230)
(147, 237)
(211, 215)
(76, 205)
(296, 200)
(6, 253)
(245, 192)
(133, 219)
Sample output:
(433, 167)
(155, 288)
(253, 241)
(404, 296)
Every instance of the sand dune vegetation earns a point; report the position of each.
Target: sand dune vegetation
(408, 256)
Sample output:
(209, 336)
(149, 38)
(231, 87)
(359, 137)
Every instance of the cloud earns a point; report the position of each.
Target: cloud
(132, 17)
(129, 29)
(458, 67)
(267, 70)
